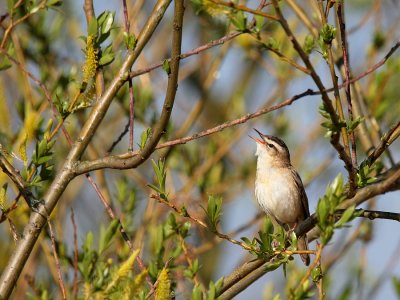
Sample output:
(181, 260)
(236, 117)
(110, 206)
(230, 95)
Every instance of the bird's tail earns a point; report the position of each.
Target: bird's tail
(302, 244)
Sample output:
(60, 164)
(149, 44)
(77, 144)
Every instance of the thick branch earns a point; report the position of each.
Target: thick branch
(32, 230)
(250, 271)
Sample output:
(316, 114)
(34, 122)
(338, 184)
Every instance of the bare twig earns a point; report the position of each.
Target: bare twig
(346, 63)
(53, 245)
(235, 6)
(75, 261)
(316, 262)
(387, 139)
(130, 85)
(192, 52)
(311, 221)
(128, 160)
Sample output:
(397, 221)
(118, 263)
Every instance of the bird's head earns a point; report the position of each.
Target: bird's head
(272, 149)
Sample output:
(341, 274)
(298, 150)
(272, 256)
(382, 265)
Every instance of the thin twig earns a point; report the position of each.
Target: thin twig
(75, 261)
(130, 85)
(190, 53)
(235, 6)
(317, 261)
(127, 160)
(53, 245)
(199, 222)
(312, 220)
(387, 139)
(346, 63)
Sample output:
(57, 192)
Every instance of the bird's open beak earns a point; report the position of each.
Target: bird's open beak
(258, 140)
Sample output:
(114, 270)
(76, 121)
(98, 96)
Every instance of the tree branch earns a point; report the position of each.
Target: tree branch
(32, 230)
(387, 139)
(250, 271)
(123, 161)
(325, 99)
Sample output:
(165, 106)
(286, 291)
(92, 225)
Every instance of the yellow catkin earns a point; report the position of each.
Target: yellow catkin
(122, 271)
(22, 151)
(133, 288)
(163, 289)
(5, 123)
(90, 66)
(213, 9)
(2, 197)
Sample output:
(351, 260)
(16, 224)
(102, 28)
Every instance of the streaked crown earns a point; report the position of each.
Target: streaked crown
(273, 149)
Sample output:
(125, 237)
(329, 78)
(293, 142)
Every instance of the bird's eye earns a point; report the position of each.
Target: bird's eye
(270, 145)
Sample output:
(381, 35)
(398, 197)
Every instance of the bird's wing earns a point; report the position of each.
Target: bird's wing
(303, 195)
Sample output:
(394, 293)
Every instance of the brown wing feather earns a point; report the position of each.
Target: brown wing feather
(302, 241)
(303, 195)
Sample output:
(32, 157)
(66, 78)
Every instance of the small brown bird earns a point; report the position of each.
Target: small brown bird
(279, 189)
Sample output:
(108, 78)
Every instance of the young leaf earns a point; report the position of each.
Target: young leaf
(346, 216)
(166, 66)
(144, 137)
(107, 235)
(214, 211)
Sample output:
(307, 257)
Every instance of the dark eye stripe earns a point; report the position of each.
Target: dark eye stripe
(278, 141)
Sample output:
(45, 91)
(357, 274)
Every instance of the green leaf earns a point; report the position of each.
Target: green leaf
(159, 240)
(309, 43)
(107, 23)
(396, 285)
(214, 211)
(219, 284)
(166, 67)
(144, 138)
(5, 63)
(196, 293)
(130, 40)
(107, 50)
(293, 240)
(346, 216)
(322, 212)
(106, 59)
(211, 294)
(273, 44)
(34, 9)
(328, 33)
(107, 235)
(353, 125)
(161, 175)
(316, 274)
(239, 20)
(337, 184)
(259, 22)
(184, 230)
